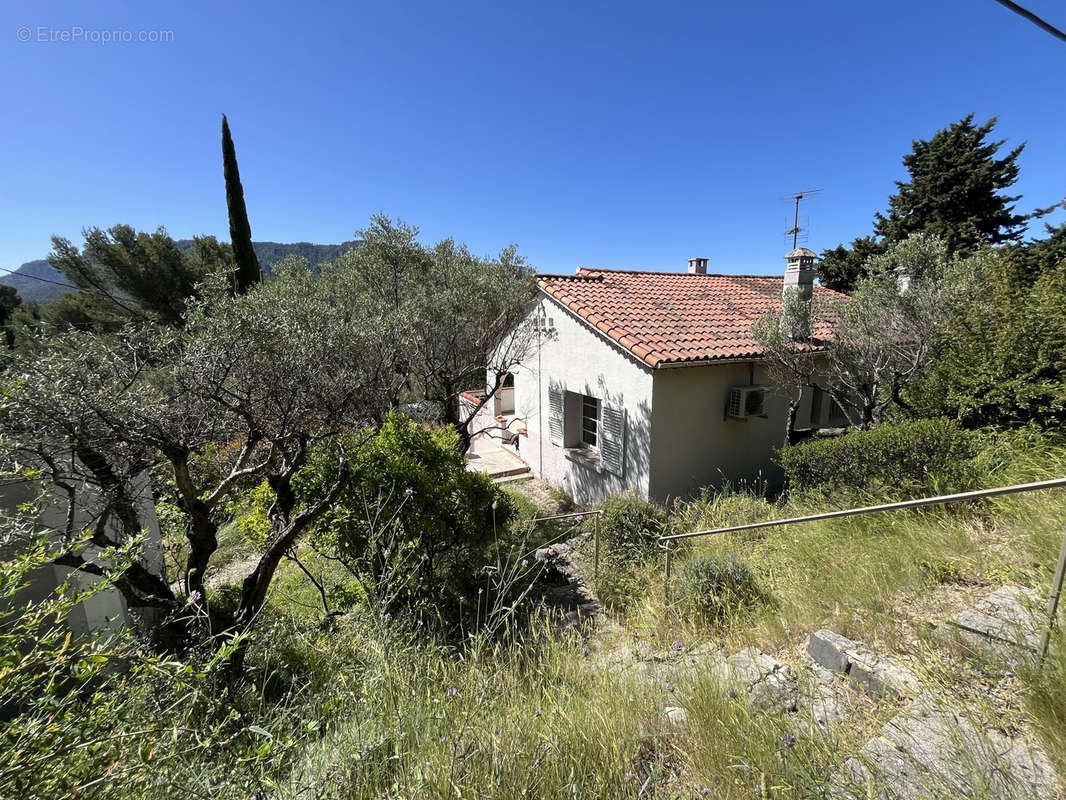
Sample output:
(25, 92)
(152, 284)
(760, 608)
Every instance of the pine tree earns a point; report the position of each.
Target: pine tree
(248, 271)
(953, 191)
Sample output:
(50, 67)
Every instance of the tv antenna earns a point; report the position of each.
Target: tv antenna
(795, 231)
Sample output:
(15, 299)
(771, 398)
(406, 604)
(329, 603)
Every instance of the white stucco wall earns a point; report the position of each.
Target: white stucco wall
(678, 438)
(581, 361)
(695, 445)
(105, 610)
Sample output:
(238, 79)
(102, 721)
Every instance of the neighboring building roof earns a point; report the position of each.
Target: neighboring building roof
(674, 318)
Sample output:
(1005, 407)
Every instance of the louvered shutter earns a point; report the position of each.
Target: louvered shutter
(613, 439)
(555, 415)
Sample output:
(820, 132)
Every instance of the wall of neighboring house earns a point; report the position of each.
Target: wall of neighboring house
(694, 443)
(576, 361)
(106, 610)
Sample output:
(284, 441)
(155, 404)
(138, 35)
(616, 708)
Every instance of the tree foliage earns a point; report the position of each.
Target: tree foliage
(456, 317)
(1002, 353)
(882, 335)
(128, 276)
(954, 191)
(414, 526)
(255, 381)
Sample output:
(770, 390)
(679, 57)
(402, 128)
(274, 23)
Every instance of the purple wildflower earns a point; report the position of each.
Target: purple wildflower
(732, 693)
(452, 692)
(525, 562)
(670, 687)
(788, 739)
(579, 518)
(679, 646)
(585, 651)
(195, 596)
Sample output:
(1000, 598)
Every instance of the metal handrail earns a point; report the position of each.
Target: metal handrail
(595, 514)
(850, 512)
(1060, 570)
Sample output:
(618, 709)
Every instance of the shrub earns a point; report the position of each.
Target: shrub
(896, 459)
(416, 528)
(713, 588)
(630, 527)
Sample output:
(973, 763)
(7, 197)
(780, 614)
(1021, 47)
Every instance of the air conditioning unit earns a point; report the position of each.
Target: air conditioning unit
(746, 401)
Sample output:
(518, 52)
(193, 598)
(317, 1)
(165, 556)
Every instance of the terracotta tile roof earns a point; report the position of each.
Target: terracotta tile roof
(668, 317)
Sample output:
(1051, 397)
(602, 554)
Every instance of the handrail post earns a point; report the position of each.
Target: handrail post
(596, 546)
(666, 572)
(1053, 602)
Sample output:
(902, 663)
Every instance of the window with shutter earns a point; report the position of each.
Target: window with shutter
(613, 438)
(555, 415)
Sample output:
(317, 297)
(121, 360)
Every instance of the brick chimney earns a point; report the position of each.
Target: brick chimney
(797, 292)
(697, 266)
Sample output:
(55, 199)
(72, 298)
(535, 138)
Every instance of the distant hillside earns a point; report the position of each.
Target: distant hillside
(26, 281)
(31, 280)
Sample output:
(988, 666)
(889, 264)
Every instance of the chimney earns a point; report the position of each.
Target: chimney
(697, 266)
(797, 291)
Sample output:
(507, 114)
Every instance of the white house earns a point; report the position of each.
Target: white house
(651, 382)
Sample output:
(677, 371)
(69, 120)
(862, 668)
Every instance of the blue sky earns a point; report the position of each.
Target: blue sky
(609, 134)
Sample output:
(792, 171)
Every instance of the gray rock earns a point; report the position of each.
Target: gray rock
(825, 709)
(829, 649)
(769, 683)
(879, 675)
(929, 751)
(676, 716)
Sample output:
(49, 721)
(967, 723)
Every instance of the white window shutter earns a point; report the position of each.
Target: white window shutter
(613, 439)
(555, 415)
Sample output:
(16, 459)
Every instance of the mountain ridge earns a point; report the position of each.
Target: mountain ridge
(39, 282)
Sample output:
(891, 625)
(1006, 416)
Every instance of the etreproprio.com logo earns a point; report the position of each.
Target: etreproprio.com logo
(76, 34)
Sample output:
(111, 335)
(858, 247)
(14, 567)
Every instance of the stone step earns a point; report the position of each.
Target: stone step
(878, 675)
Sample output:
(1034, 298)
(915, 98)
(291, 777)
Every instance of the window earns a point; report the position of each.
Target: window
(590, 421)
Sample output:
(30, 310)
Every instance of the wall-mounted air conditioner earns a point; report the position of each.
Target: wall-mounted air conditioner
(746, 401)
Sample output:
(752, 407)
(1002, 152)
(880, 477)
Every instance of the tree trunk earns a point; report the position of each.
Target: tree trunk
(202, 536)
(138, 585)
(790, 418)
(287, 529)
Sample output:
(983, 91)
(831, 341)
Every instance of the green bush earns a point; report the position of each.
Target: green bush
(418, 530)
(714, 588)
(630, 527)
(893, 459)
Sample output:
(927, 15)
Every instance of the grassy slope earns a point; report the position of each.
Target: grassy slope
(369, 712)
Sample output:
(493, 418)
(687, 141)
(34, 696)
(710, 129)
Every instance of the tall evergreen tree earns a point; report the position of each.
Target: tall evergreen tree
(954, 192)
(240, 232)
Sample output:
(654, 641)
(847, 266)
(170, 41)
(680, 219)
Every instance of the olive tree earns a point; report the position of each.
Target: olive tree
(457, 319)
(242, 392)
(863, 350)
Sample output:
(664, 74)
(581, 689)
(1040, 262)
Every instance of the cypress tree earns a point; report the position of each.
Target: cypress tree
(240, 232)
